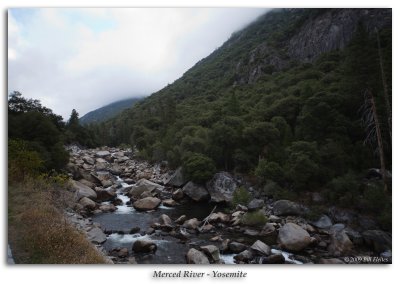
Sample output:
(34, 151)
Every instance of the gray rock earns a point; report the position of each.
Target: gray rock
(165, 221)
(82, 190)
(378, 240)
(340, 244)
(87, 183)
(221, 187)
(255, 204)
(144, 185)
(212, 252)
(144, 246)
(178, 194)
(102, 154)
(87, 203)
(236, 247)
(274, 259)
(287, 207)
(88, 160)
(146, 194)
(169, 202)
(148, 203)
(181, 219)
(101, 166)
(104, 194)
(244, 256)
(191, 224)
(107, 208)
(177, 178)
(324, 222)
(269, 234)
(261, 248)
(251, 232)
(194, 256)
(115, 169)
(96, 235)
(196, 192)
(292, 237)
(219, 217)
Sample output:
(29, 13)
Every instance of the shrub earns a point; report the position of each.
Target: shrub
(240, 196)
(256, 218)
(269, 171)
(198, 167)
(22, 161)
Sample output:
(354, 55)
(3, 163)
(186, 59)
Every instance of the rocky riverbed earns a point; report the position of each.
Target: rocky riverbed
(137, 212)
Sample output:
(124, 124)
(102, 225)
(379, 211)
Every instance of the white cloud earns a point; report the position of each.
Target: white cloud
(86, 58)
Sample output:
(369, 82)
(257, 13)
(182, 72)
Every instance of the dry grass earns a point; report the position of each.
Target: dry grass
(38, 232)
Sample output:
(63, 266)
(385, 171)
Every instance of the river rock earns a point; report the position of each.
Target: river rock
(144, 246)
(169, 203)
(107, 208)
(96, 235)
(194, 256)
(146, 194)
(165, 221)
(293, 237)
(196, 192)
(87, 183)
(101, 166)
(324, 222)
(236, 247)
(178, 194)
(261, 248)
(378, 240)
(144, 185)
(221, 187)
(82, 190)
(181, 219)
(177, 179)
(244, 256)
(212, 252)
(87, 203)
(115, 169)
(88, 160)
(255, 204)
(148, 203)
(104, 194)
(269, 234)
(287, 207)
(102, 154)
(191, 224)
(274, 259)
(219, 217)
(123, 253)
(340, 244)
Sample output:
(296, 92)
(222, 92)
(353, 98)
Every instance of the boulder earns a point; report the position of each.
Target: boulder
(87, 203)
(181, 219)
(260, 248)
(96, 235)
(177, 179)
(144, 246)
(340, 244)
(255, 204)
(165, 221)
(330, 261)
(219, 217)
(82, 190)
(88, 160)
(169, 203)
(196, 192)
(123, 253)
(194, 256)
(144, 185)
(107, 208)
(87, 183)
(212, 252)
(146, 194)
(292, 237)
(115, 169)
(148, 203)
(104, 194)
(100, 166)
(178, 194)
(274, 259)
(324, 222)
(236, 247)
(191, 224)
(244, 256)
(287, 207)
(102, 154)
(221, 187)
(378, 240)
(269, 234)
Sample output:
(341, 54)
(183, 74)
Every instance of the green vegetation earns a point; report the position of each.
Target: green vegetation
(255, 219)
(241, 196)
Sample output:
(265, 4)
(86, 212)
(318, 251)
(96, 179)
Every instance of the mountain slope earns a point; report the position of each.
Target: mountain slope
(109, 111)
(287, 99)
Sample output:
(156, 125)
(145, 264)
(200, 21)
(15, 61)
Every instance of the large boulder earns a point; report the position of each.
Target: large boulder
(144, 246)
(115, 169)
(102, 154)
(324, 222)
(82, 190)
(219, 217)
(378, 240)
(194, 256)
(261, 248)
(148, 203)
(340, 244)
(177, 178)
(236, 247)
(178, 194)
(212, 252)
(292, 237)
(196, 192)
(107, 208)
(221, 187)
(287, 207)
(105, 194)
(244, 256)
(255, 204)
(191, 224)
(144, 185)
(165, 221)
(96, 235)
(87, 203)
(88, 160)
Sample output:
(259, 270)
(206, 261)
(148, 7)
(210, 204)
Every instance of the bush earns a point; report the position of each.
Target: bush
(22, 161)
(343, 190)
(256, 219)
(240, 196)
(269, 171)
(198, 167)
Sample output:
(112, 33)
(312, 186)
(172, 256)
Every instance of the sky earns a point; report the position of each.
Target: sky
(85, 58)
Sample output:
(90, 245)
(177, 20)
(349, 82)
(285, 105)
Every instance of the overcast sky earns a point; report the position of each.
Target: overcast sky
(87, 58)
